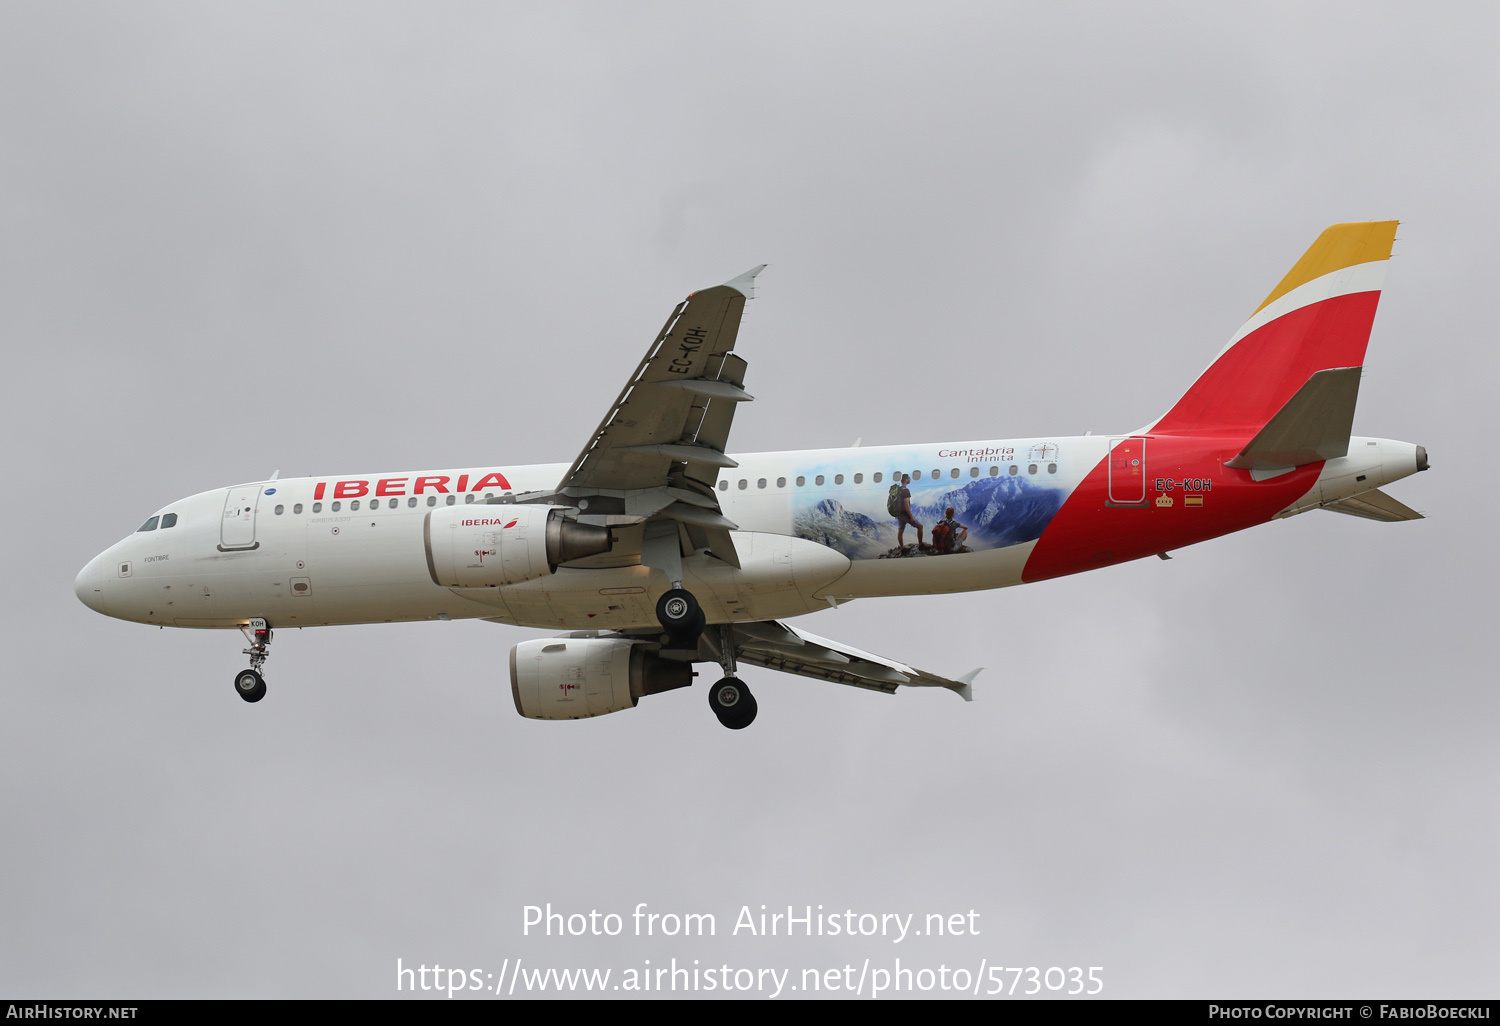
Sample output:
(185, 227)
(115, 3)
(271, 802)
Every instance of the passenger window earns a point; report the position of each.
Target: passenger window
(1052, 468)
(761, 483)
(994, 472)
(432, 500)
(936, 474)
(149, 525)
(1031, 468)
(953, 472)
(468, 498)
(838, 479)
(280, 509)
(335, 507)
(354, 505)
(877, 477)
(859, 478)
(801, 481)
(452, 499)
(1014, 470)
(297, 508)
(781, 482)
(743, 484)
(168, 520)
(973, 471)
(818, 480)
(317, 507)
(724, 485)
(916, 475)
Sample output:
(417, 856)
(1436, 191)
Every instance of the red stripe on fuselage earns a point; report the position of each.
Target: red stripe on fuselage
(1247, 385)
(1090, 531)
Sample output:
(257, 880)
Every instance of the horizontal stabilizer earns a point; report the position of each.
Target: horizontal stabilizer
(1374, 505)
(1314, 424)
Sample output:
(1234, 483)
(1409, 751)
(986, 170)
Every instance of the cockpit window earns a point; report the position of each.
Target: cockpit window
(168, 520)
(149, 525)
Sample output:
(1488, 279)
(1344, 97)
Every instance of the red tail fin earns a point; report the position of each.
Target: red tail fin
(1318, 318)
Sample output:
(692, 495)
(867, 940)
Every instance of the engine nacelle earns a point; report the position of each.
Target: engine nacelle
(569, 678)
(487, 546)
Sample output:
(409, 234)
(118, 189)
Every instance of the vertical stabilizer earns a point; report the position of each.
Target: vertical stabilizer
(1318, 318)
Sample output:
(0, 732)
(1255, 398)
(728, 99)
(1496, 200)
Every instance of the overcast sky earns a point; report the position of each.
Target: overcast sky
(342, 238)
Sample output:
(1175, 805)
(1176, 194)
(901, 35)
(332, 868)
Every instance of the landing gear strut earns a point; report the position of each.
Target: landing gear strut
(730, 700)
(249, 684)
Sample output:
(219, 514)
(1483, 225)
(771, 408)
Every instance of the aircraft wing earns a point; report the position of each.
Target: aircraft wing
(658, 451)
(777, 646)
(672, 418)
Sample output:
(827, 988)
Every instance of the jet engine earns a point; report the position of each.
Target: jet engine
(487, 546)
(569, 678)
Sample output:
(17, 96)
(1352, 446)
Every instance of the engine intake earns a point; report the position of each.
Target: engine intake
(490, 546)
(572, 678)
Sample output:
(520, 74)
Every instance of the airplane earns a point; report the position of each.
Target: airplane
(655, 549)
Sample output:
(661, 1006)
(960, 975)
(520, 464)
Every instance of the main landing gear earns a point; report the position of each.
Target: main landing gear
(249, 684)
(732, 703)
(730, 700)
(681, 617)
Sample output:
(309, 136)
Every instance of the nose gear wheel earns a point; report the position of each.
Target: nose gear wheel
(249, 684)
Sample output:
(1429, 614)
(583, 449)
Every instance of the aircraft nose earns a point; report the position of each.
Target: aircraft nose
(86, 586)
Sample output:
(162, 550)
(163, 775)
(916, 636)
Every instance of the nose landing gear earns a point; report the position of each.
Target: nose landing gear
(249, 684)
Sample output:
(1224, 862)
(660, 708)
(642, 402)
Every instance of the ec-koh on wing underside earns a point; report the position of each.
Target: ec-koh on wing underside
(658, 452)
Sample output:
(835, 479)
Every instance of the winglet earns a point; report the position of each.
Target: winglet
(963, 690)
(745, 283)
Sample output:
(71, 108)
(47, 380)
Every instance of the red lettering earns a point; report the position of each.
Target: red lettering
(388, 486)
(463, 483)
(424, 482)
(492, 479)
(318, 491)
(345, 489)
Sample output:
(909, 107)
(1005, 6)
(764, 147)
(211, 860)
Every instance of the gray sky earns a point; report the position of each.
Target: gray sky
(355, 237)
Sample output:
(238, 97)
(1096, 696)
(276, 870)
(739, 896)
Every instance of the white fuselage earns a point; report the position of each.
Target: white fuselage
(813, 527)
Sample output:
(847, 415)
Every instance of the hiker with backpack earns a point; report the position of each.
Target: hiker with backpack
(948, 535)
(898, 505)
